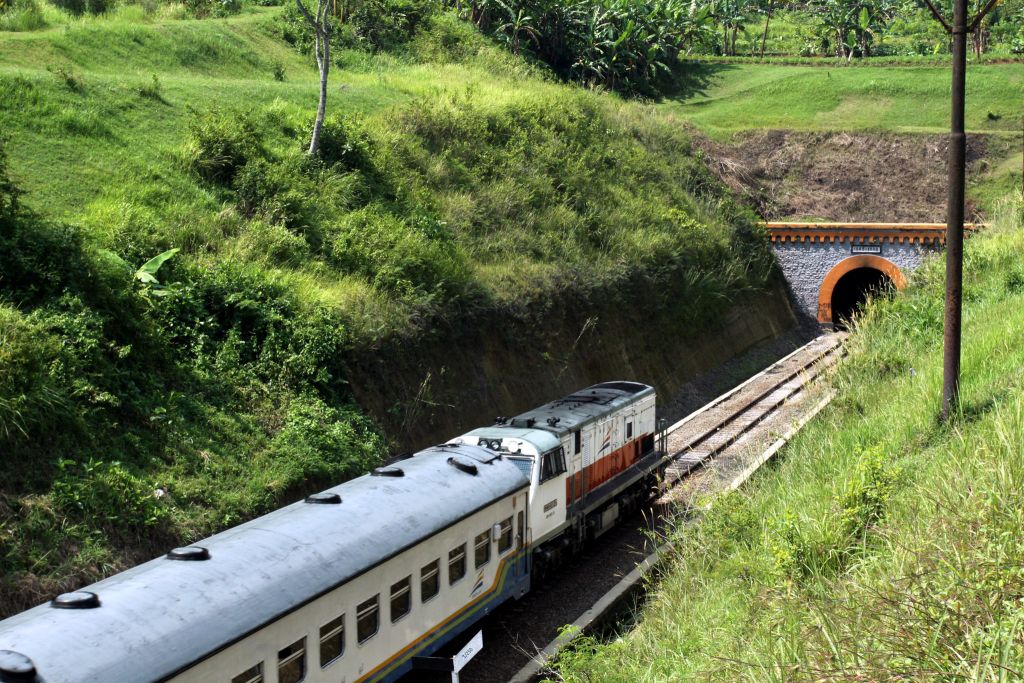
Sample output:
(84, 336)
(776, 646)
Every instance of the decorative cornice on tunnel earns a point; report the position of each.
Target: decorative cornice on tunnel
(931, 234)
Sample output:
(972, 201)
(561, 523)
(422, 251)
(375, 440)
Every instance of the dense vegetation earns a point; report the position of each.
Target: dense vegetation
(885, 546)
(183, 288)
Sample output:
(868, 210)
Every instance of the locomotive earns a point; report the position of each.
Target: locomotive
(353, 583)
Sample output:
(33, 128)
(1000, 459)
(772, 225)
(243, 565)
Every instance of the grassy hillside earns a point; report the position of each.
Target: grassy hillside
(458, 188)
(884, 545)
(727, 100)
(724, 98)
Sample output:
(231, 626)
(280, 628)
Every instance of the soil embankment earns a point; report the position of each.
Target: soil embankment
(459, 380)
(843, 176)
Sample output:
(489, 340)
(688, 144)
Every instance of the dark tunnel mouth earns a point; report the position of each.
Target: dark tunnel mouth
(853, 290)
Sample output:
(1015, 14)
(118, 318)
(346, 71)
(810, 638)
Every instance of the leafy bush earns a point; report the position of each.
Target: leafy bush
(344, 144)
(322, 444)
(21, 15)
(40, 259)
(273, 190)
(27, 391)
(108, 494)
(407, 257)
(201, 9)
(219, 143)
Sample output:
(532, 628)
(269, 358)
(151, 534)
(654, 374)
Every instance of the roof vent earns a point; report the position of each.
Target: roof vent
(15, 666)
(463, 464)
(76, 600)
(191, 553)
(323, 498)
(554, 420)
(388, 472)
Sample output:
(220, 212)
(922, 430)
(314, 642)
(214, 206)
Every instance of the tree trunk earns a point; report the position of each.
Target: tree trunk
(764, 36)
(322, 47)
(323, 62)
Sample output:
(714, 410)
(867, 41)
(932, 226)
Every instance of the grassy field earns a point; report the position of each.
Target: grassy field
(883, 545)
(724, 98)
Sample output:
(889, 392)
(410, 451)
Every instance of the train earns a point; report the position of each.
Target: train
(356, 583)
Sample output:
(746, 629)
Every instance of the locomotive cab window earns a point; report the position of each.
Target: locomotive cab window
(291, 662)
(430, 580)
(332, 640)
(251, 675)
(482, 549)
(577, 441)
(552, 464)
(367, 619)
(401, 598)
(505, 535)
(456, 564)
(629, 430)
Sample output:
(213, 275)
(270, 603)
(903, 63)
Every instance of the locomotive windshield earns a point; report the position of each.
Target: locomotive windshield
(524, 464)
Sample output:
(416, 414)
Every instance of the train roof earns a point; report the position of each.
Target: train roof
(580, 407)
(542, 440)
(156, 619)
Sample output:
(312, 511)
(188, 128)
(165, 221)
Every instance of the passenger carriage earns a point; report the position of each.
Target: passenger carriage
(346, 586)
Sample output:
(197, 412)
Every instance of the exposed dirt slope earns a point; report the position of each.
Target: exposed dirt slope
(845, 176)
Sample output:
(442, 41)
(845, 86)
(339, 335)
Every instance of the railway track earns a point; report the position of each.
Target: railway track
(704, 445)
(705, 434)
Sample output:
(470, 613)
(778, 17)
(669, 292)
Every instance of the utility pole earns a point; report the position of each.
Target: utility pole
(955, 203)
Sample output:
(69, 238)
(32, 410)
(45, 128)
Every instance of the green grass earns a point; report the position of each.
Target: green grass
(884, 545)
(724, 98)
(457, 185)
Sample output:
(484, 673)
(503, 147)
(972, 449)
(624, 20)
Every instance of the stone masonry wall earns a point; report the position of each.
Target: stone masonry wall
(805, 265)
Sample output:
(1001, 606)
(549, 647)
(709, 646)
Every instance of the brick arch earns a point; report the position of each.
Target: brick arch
(850, 264)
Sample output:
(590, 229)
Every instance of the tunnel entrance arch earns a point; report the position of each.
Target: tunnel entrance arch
(851, 281)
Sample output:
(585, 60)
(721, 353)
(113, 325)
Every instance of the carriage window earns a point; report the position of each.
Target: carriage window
(430, 580)
(401, 598)
(291, 662)
(553, 464)
(367, 619)
(505, 536)
(577, 441)
(253, 675)
(629, 430)
(456, 564)
(332, 640)
(482, 549)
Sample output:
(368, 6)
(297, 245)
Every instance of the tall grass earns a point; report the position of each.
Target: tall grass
(885, 545)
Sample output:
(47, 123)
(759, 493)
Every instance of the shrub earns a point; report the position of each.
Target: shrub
(75, 7)
(21, 15)
(322, 444)
(108, 494)
(27, 391)
(344, 144)
(445, 38)
(201, 9)
(40, 259)
(410, 258)
(219, 143)
(273, 190)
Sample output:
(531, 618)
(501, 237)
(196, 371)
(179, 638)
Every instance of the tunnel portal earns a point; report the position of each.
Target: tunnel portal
(852, 291)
